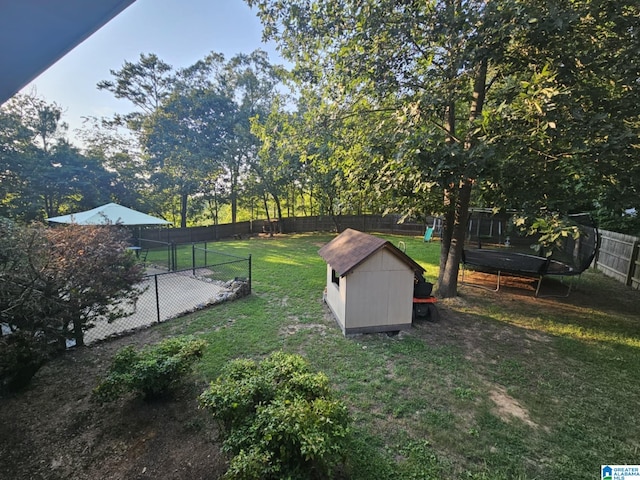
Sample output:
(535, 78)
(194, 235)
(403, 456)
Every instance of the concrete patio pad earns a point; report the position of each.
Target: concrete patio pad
(178, 293)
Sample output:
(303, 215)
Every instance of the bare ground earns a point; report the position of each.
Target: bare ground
(53, 430)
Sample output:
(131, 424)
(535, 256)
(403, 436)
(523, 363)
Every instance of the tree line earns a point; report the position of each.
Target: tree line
(417, 108)
(185, 149)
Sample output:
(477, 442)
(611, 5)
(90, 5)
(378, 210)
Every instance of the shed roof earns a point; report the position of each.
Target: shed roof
(349, 249)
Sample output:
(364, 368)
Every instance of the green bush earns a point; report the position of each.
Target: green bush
(152, 371)
(280, 419)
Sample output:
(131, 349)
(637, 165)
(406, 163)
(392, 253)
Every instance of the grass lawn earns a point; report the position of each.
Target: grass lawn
(504, 386)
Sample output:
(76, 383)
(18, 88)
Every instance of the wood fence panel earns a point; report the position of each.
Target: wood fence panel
(364, 223)
(618, 257)
(633, 278)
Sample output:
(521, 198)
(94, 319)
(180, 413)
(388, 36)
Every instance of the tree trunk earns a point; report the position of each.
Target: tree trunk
(449, 201)
(447, 230)
(183, 209)
(448, 286)
(451, 253)
(234, 195)
(78, 334)
(234, 205)
(266, 209)
(276, 199)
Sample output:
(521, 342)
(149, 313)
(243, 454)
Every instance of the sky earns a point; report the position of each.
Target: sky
(179, 32)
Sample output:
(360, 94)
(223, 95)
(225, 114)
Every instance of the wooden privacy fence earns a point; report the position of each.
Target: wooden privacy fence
(618, 257)
(364, 223)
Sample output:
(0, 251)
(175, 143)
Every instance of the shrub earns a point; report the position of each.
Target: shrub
(55, 283)
(280, 419)
(153, 371)
(21, 355)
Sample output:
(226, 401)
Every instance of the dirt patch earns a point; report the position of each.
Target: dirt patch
(294, 328)
(508, 408)
(54, 430)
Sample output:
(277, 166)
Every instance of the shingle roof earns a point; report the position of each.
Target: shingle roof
(351, 247)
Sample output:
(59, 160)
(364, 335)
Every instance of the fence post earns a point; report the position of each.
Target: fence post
(174, 254)
(193, 258)
(249, 273)
(157, 298)
(633, 262)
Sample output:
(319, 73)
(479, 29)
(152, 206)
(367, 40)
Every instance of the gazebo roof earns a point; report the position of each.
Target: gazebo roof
(352, 247)
(109, 213)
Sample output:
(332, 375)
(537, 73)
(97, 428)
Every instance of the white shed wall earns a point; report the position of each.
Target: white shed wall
(336, 298)
(378, 295)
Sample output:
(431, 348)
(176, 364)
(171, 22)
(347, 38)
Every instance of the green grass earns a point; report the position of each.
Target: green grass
(505, 386)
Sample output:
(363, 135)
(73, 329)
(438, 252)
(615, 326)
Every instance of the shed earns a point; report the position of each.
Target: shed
(369, 283)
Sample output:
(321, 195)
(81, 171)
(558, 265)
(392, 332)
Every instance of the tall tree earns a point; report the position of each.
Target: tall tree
(186, 139)
(16, 153)
(274, 165)
(146, 83)
(194, 124)
(46, 175)
(251, 81)
(425, 64)
(443, 73)
(120, 154)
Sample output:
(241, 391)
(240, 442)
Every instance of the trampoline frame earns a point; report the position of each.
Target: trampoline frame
(498, 272)
(502, 261)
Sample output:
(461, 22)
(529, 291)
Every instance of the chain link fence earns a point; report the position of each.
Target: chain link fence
(180, 279)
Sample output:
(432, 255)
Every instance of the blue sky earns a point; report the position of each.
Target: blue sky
(180, 32)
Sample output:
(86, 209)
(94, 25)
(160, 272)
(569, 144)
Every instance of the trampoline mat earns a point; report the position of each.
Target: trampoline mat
(514, 262)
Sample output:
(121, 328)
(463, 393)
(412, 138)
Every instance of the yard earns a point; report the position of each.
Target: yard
(503, 386)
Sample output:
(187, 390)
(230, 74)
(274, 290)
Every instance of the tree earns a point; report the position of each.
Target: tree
(15, 152)
(251, 81)
(117, 150)
(296, 154)
(146, 83)
(419, 62)
(42, 128)
(193, 124)
(44, 173)
(275, 168)
(54, 284)
(186, 139)
(68, 181)
(57, 281)
(585, 156)
(440, 75)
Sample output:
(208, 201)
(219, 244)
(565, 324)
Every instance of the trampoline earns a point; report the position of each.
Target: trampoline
(573, 258)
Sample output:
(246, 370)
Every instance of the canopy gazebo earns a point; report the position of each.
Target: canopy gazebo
(111, 213)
